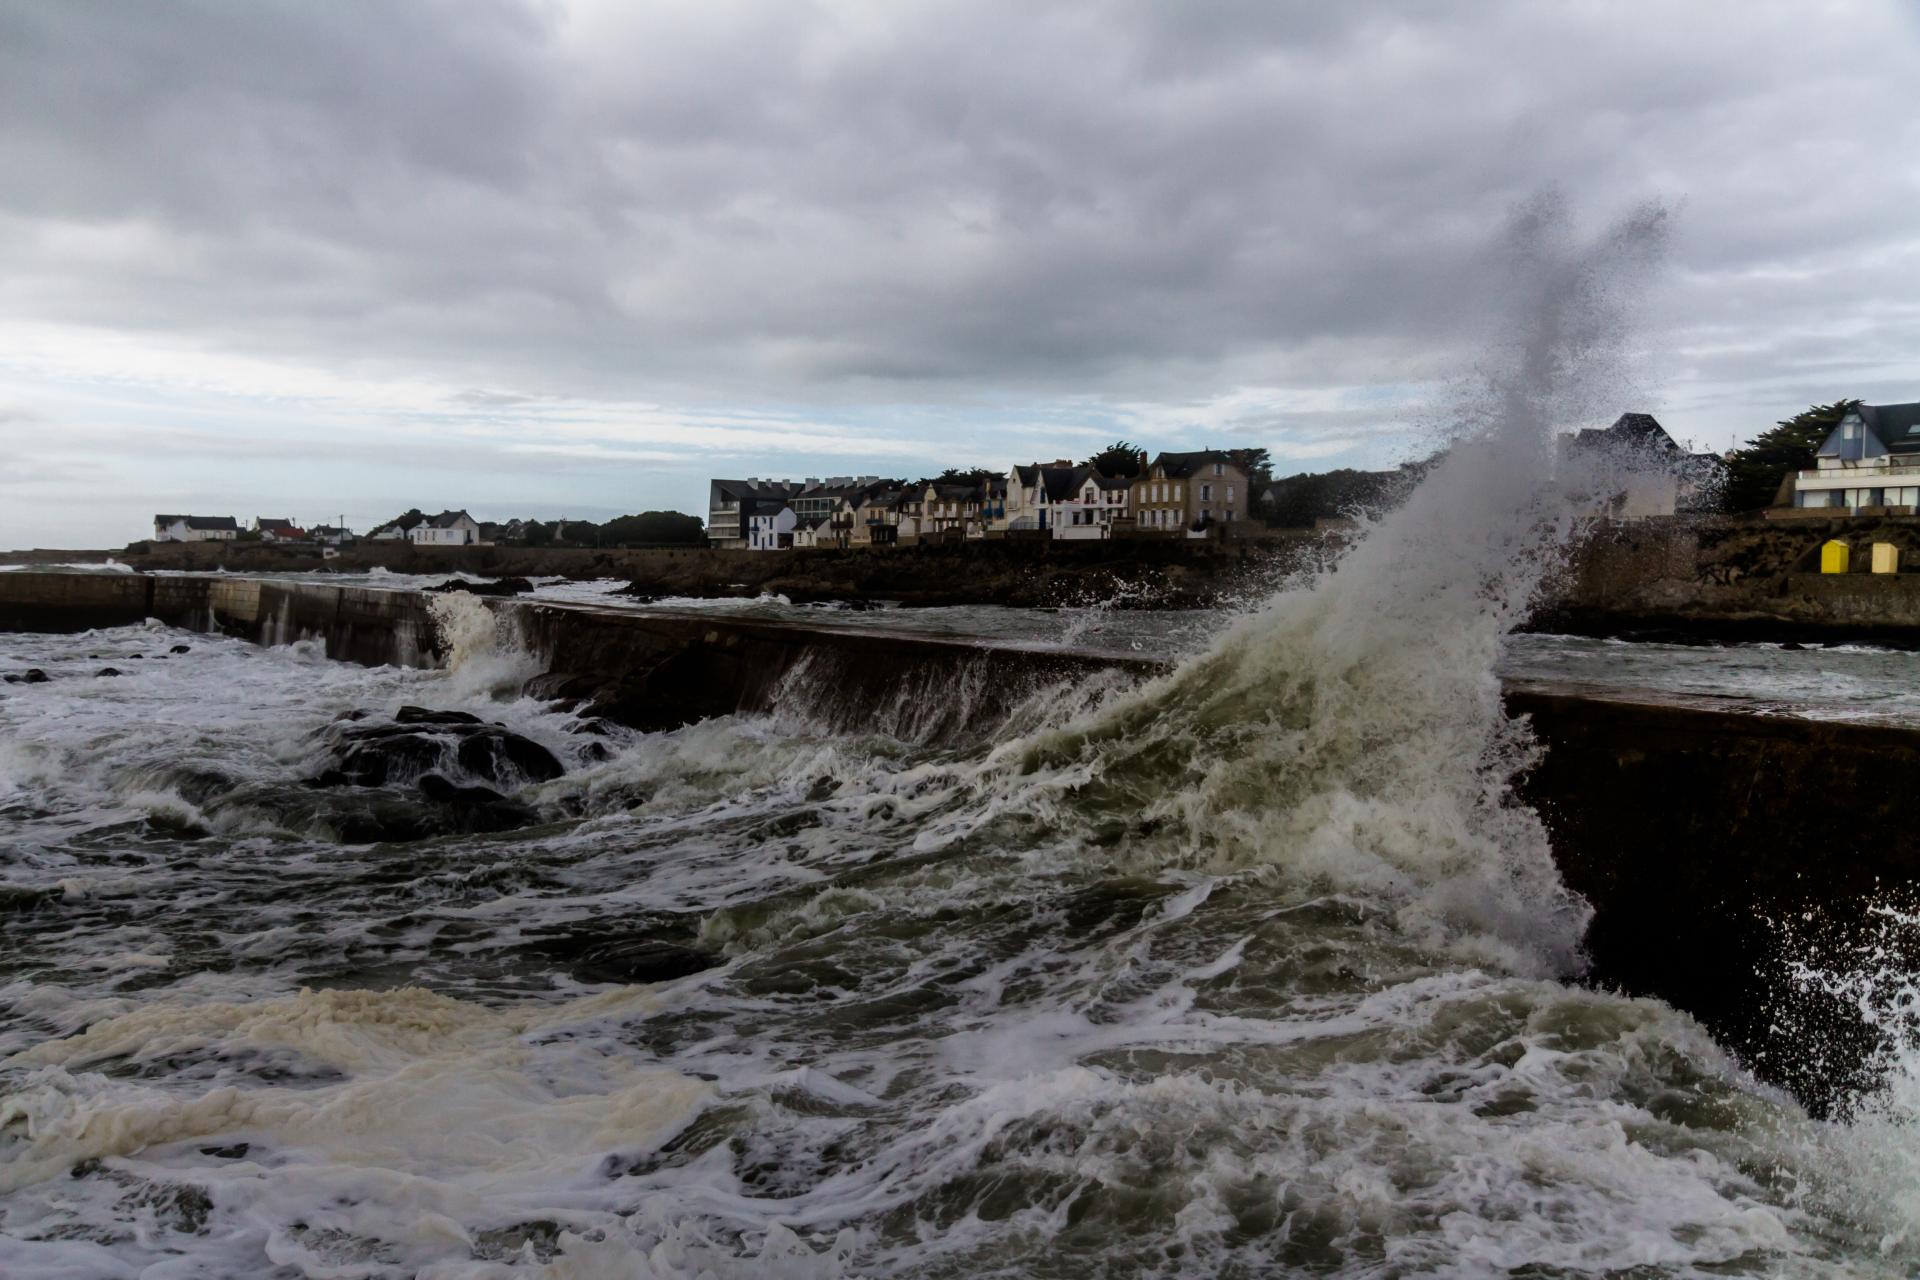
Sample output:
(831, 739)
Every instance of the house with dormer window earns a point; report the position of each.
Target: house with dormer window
(1089, 504)
(1869, 463)
(1189, 494)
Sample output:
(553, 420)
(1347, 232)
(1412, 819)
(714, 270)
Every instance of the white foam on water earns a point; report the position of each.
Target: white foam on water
(484, 648)
(443, 1114)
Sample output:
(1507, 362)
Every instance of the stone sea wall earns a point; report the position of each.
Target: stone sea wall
(1725, 578)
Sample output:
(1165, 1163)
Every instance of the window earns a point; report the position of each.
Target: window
(1229, 495)
(1206, 493)
(1218, 469)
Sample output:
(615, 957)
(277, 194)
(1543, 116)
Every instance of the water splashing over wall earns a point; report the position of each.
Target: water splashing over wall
(483, 648)
(1351, 732)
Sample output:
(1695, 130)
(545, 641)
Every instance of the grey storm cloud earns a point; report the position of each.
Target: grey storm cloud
(900, 202)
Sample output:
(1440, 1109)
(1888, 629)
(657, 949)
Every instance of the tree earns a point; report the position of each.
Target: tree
(407, 519)
(1118, 459)
(1299, 501)
(538, 534)
(1754, 471)
(652, 529)
(1257, 463)
(971, 475)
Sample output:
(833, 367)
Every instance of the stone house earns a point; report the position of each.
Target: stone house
(1189, 493)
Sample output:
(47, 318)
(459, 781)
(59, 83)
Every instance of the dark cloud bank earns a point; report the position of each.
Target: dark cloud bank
(821, 206)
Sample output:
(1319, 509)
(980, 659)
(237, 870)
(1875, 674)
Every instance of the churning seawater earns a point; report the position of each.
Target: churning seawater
(1254, 969)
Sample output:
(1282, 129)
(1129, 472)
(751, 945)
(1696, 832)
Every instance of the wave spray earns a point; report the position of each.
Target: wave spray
(1350, 733)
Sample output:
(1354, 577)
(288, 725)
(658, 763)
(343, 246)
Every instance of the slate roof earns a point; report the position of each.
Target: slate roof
(447, 519)
(1629, 430)
(205, 523)
(1897, 425)
(1181, 465)
(264, 523)
(1063, 482)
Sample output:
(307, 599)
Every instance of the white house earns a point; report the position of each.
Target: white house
(1089, 507)
(272, 529)
(769, 530)
(1635, 470)
(1032, 492)
(815, 533)
(195, 529)
(1869, 462)
(448, 529)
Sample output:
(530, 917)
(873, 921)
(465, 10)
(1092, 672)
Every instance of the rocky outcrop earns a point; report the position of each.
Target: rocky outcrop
(418, 742)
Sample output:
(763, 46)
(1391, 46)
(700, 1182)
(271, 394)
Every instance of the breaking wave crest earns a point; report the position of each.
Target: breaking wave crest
(1351, 731)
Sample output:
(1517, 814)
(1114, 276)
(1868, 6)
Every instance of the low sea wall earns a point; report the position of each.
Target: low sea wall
(1733, 578)
(1705, 840)
(357, 624)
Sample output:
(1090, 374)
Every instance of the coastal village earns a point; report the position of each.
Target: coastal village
(1867, 464)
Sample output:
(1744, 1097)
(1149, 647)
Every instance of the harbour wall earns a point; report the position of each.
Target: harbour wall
(1699, 836)
(1717, 577)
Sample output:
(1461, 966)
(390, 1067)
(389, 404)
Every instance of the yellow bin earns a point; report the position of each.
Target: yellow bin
(1886, 558)
(1833, 557)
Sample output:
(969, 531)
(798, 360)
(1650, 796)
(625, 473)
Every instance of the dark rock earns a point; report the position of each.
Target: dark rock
(187, 648)
(475, 809)
(503, 755)
(419, 741)
(106, 671)
(234, 1152)
(32, 675)
(421, 715)
(421, 748)
(385, 753)
(441, 791)
(136, 657)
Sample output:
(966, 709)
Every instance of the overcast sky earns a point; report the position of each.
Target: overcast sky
(551, 258)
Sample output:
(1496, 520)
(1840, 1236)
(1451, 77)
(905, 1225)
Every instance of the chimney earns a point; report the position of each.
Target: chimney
(1061, 462)
(1143, 459)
